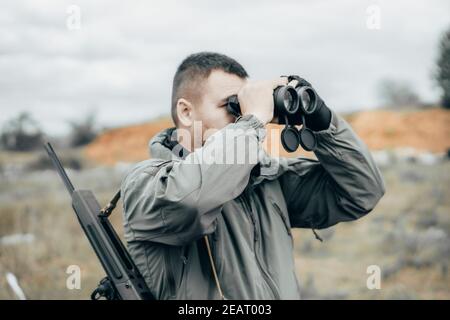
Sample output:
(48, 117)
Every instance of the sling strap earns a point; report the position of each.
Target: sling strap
(213, 267)
(108, 209)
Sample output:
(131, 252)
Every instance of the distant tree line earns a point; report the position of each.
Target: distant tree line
(23, 133)
(400, 93)
(442, 75)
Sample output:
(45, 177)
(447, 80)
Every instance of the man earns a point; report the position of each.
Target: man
(245, 210)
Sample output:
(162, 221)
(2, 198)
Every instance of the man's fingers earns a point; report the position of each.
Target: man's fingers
(281, 81)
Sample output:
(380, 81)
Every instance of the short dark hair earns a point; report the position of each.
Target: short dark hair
(196, 68)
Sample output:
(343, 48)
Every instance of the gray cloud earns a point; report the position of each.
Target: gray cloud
(122, 60)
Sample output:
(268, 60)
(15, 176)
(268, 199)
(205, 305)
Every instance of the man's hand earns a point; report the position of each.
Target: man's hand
(256, 97)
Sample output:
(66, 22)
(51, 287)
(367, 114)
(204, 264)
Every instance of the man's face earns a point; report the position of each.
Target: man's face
(211, 109)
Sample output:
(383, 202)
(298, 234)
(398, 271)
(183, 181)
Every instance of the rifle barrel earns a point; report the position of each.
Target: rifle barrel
(62, 173)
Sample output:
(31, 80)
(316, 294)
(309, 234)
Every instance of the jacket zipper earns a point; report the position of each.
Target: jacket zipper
(264, 273)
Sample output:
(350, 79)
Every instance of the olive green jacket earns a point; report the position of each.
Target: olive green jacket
(246, 209)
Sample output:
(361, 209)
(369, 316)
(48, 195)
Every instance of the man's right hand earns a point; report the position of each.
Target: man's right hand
(256, 97)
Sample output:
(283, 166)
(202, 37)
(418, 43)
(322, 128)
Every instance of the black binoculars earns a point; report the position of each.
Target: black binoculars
(290, 107)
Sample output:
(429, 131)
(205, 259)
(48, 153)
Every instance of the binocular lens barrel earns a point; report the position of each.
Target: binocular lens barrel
(290, 105)
(308, 99)
(286, 100)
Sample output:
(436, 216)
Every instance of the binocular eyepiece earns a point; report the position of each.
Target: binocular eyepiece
(291, 105)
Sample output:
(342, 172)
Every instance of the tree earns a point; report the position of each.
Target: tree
(83, 131)
(443, 69)
(21, 133)
(397, 93)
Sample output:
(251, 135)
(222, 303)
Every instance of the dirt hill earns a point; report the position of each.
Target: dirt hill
(425, 130)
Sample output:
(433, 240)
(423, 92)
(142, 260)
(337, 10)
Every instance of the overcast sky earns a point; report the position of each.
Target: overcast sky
(121, 60)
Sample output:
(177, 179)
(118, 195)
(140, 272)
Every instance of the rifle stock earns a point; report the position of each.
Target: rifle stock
(123, 281)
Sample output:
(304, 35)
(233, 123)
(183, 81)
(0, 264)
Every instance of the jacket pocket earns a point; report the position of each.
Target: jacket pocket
(170, 274)
(185, 263)
(176, 264)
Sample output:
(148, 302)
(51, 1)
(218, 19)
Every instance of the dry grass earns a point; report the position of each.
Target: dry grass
(396, 236)
(37, 203)
(407, 235)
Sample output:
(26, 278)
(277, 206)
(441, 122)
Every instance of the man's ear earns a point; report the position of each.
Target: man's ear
(185, 113)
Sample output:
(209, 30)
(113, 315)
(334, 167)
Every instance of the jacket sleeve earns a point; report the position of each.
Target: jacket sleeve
(177, 201)
(343, 185)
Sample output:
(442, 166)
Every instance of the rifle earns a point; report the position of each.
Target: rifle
(123, 280)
